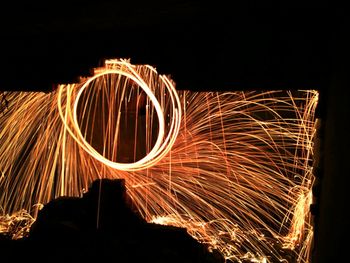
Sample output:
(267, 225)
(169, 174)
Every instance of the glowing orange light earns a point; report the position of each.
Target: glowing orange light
(232, 167)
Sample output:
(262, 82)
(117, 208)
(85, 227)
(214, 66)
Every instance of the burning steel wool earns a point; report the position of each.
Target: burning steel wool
(234, 168)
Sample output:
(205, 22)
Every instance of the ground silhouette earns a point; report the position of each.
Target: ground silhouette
(102, 226)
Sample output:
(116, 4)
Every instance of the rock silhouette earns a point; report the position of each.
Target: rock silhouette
(102, 226)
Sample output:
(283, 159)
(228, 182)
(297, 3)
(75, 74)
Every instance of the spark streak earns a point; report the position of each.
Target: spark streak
(234, 168)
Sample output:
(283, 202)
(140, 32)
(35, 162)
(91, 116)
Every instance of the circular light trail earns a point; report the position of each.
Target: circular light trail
(162, 145)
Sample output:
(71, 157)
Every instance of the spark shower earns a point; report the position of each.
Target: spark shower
(234, 168)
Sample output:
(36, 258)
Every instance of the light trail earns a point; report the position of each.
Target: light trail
(234, 168)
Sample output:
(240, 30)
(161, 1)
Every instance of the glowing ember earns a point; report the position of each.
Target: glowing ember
(234, 168)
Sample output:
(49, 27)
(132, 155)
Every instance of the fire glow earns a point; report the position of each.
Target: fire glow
(234, 168)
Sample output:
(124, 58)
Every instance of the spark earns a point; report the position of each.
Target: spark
(16, 225)
(233, 168)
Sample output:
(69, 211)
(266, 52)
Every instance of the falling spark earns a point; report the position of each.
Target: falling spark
(233, 168)
(16, 225)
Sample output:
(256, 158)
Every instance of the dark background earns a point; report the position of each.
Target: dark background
(236, 46)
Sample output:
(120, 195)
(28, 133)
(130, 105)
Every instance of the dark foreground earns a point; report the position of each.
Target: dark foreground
(70, 230)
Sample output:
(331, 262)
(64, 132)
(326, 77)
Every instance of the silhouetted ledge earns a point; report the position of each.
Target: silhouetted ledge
(79, 229)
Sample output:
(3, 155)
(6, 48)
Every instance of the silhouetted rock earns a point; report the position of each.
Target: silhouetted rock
(102, 227)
